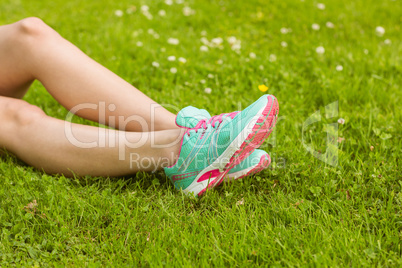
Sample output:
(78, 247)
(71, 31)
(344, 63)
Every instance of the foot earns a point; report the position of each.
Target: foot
(213, 147)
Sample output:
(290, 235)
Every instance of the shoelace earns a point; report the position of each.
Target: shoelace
(212, 121)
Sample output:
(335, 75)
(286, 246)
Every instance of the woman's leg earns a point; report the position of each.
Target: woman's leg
(58, 146)
(29, 49)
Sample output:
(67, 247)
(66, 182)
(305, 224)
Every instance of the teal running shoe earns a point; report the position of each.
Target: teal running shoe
(212, 147)
(254, 163)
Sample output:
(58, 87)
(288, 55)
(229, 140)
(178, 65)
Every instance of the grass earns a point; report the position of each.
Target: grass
(300, 212)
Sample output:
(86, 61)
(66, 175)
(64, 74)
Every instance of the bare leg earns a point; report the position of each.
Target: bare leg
(29, 49)
(57, 146)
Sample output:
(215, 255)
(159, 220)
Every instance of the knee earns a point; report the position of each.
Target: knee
(21, 113)
(32, 27)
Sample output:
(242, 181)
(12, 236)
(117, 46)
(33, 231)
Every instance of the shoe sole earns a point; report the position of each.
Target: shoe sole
(252, 136)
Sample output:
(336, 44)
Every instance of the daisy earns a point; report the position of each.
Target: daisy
(173, 70)
(387, 42)
(204, 48)
(171, 58)
(139, 44)
(187, 11)
(162, 13)
(339, 68)
(118, 13)
(284, 44)
(210, 76)
(216, 41)
(380, 31)
(219, 61)
(182, 60)
(284, 30)
(320, 50)
(341, 121)
(329, 24)
(272, 57)
(169, 2)
(252, 55)
(315, 26)
(155, 64)
(208, 90)
(173, 41)
(202, 81)
(321, 6)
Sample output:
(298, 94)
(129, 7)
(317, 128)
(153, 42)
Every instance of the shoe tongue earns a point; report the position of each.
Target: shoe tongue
(190, 116)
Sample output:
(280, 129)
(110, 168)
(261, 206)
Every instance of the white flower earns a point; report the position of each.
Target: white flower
(261, 67)
(139, 44)
(380, 31)
(144, 8)
(272, 57)
(205, 41)
(252, 55)
(321, 6)
(163, 49)
(182, 60)
(179, 2)
(236, 47)
(148, 15)
(284, 30)
(387, 42)
(247, 59)
(210, 76)
(232, 40)
(187, 11)
(151, 31)
(204, 48)
(169, 2)
(118, 13)
(208, 90)
(341, 121)
(204, 33)
(162, 13)
(156, 36)
(173, 41)
(171, 58)
(315, 26)
(329, 24)
(219, 61)
(284, 44)
(155, 64)
(202, 81)
(216, 41)
(320, 50)
(366, 51)
(173, 70)
(339, 68)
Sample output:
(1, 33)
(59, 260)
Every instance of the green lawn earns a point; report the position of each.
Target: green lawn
(302, 211)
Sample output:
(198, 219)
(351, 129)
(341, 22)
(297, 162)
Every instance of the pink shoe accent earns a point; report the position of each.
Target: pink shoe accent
(212, 121)
(208, 175)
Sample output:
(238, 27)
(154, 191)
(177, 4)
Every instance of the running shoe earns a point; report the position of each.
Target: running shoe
(214, 146)
(254, 163)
